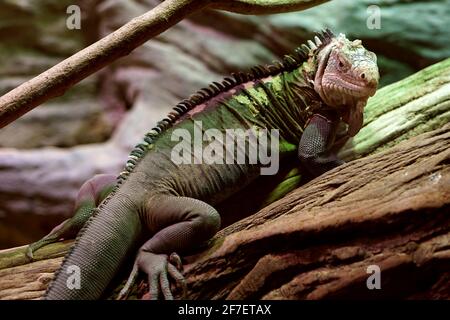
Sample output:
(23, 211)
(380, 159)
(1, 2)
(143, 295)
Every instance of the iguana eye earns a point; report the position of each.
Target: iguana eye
(342, 64)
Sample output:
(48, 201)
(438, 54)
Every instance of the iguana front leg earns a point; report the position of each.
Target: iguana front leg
(179, 224)
(91, 193)
(315, 145)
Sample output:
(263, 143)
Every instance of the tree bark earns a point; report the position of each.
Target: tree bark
(389, 210)
(55, 81)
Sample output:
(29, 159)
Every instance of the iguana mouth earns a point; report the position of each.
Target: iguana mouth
(340, 85)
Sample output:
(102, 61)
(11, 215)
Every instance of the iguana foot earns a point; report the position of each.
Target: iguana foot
(57, 233)
(183, 223)
(159, 268)
(68, 229)
(91, 193)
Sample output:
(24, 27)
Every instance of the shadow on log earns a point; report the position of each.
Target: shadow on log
(389, 210)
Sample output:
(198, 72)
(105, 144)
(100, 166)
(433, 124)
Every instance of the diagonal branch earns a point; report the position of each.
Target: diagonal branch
(55, 81)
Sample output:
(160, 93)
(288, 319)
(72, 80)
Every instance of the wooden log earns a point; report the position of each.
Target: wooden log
(391, 210)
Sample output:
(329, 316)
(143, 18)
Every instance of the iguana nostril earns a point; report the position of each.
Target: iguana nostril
(363, 76)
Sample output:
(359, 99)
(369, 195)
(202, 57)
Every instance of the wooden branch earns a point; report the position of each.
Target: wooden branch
(390, 209)
(264, 6)
(55, 81)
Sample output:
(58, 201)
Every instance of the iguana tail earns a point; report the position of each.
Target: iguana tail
(99, 251)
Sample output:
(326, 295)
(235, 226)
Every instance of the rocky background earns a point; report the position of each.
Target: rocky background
(46, 155)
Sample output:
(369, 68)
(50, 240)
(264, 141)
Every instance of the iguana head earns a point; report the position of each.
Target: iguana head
(347, 75)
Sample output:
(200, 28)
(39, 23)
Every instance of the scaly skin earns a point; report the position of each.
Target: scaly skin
(172, 205)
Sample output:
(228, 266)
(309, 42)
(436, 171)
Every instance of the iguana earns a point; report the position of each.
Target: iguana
(160, 208)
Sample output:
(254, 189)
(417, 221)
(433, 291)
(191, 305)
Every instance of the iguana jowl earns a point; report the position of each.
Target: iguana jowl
(160, 208)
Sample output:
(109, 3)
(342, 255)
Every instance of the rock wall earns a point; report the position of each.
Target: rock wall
(33, 38)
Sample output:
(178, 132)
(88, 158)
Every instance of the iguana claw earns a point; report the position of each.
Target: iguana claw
(123, 294)
(158, 267)
(175, 259)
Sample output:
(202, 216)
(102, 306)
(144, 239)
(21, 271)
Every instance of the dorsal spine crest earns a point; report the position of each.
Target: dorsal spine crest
(288, 63)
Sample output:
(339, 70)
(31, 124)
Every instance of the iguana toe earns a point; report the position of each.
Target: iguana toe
(123, 294)
(39, 244)
(29, 252)
(160, 268)
(175, 259)
(176, 275)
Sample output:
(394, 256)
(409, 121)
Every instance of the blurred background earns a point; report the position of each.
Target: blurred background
(46, 155)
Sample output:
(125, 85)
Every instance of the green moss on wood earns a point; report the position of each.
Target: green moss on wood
(17, 256)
